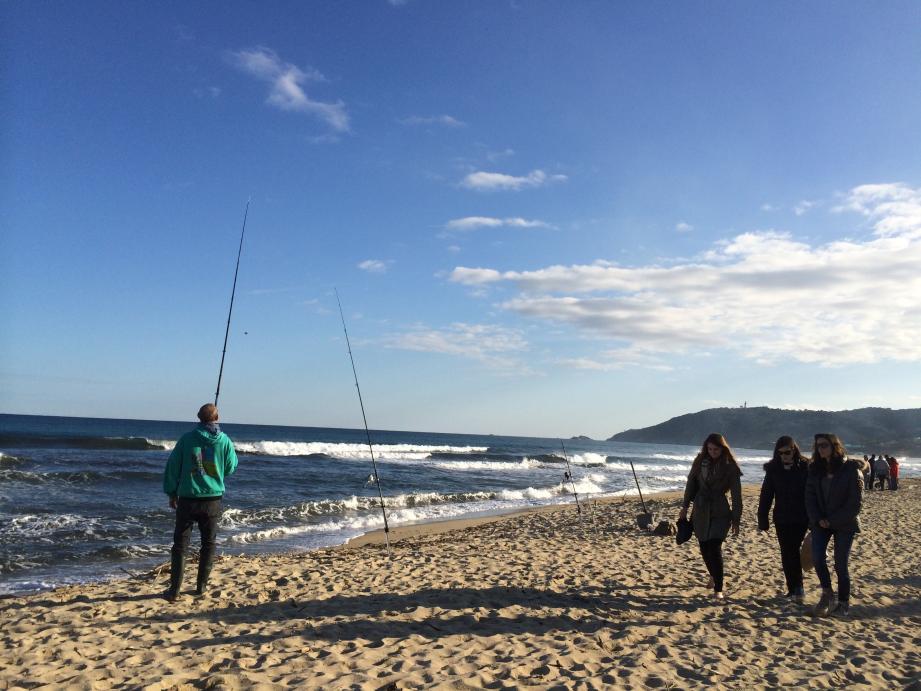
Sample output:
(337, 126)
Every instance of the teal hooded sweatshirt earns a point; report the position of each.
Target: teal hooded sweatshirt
(198, 464)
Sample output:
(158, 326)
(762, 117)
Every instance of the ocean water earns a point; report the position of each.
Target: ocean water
(81, 499)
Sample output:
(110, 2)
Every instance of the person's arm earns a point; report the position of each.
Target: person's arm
(735, 493)
(690, 491)
(230, 458)
(172, 474)
(764, 501)
(812, 499)
(848, 511)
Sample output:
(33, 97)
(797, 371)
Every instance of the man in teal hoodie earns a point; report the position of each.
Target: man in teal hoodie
(194, 481)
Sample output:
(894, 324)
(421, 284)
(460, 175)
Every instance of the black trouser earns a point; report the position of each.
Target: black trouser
(790, 537)
(206, 513)
(712, 552)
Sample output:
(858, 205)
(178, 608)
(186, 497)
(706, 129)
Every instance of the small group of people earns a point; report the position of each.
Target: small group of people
(880, 472)
(822, 494)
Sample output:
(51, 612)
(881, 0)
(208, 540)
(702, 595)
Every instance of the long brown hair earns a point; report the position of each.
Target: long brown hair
(787, 440)
(838, 453)
(726, 457)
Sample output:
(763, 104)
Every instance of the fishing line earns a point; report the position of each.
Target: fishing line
(365, 420)
(569, 477)
(233, 292)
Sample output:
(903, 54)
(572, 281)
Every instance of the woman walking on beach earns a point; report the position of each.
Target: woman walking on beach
(713, 474)
(834, 493)
(784, 486)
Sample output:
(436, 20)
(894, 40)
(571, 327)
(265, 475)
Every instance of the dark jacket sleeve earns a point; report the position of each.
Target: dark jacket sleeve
(846, 514)
(765, 501)
(812, 499)
(690, 490)
(735, 493)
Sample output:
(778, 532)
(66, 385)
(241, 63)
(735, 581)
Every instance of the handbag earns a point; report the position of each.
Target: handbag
(685, 531)
(805, 553)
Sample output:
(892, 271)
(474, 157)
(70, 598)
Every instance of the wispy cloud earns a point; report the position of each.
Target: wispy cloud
(443, 120)
(483, 181)
(617, 359)
(475, 222)
(683, 227)
(202, 92)
(489, 344)
(286, 82)
(804, 206)
(763, 294)
(373, 266)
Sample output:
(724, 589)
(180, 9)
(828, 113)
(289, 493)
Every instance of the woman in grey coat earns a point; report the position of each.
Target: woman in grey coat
(834, 494)
(713, 474)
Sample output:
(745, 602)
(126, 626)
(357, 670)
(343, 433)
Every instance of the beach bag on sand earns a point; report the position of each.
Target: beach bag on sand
(805, 553)
(684, 532)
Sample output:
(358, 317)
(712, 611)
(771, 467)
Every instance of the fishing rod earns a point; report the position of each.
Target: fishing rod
(569, 477)
(364, 419)
(233, 292)
(638, 485)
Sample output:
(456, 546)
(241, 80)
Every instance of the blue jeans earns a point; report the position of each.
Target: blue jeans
(843, 541)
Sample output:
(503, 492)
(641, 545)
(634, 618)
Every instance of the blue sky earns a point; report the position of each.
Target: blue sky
(543, 218)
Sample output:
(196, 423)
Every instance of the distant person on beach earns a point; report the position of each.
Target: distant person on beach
(867, 471)
(881, 471)
(893, 472)
(194, 481)
(784, 485)
(834, 494)
(714, 472)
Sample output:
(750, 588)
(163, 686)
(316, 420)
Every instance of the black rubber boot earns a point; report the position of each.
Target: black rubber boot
(205, 559)
(177, 567)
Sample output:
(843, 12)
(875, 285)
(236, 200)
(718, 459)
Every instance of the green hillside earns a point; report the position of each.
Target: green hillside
(867, 430)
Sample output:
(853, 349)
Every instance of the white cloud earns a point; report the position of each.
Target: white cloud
(287, 85)
(485, 343)
(763, 295)
(373, 266)
(474, 222)
(483, 181)
(683, 227)
(768, 207)
(619, 358)
(804, 206)
(443, 120)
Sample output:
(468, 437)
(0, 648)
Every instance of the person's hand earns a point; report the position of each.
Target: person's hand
(173, 502)
(824, 523)
(683, 515)
(735, 530)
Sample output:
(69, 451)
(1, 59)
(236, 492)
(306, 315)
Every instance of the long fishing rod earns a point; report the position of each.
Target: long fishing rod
(637, 485)
(233, 292)
(569, 477)
(364, 419)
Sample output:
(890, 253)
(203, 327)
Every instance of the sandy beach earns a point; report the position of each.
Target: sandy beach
(546, 599)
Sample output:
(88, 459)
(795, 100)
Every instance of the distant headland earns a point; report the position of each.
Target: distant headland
(864, 430)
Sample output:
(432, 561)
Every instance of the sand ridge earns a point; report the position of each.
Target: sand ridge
(542, 599)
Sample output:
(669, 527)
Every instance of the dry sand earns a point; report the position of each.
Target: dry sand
(542, 599)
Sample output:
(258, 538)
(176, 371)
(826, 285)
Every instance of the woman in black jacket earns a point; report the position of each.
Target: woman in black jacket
(713, 474)
(834, 494)
(784, 486)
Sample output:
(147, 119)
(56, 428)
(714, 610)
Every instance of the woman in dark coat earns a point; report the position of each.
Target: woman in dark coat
(834, 494)
(713, 474)
(784, 486)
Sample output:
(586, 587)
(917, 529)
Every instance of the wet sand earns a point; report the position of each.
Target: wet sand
(543, 598)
